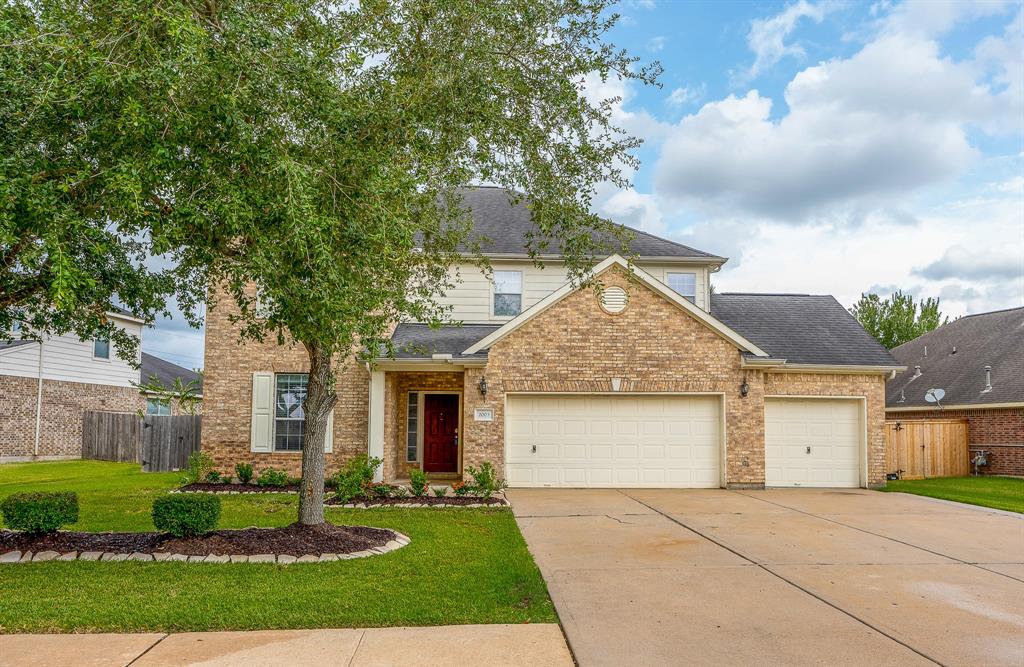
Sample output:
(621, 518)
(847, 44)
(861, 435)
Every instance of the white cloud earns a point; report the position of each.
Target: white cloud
(655, 44)
(686, 95)
(767, 37)
(965, 263)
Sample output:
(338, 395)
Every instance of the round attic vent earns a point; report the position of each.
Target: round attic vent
(614, 299)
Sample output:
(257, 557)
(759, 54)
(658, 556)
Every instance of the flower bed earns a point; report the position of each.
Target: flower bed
(294, 543)
(209, 487)
(422, 501)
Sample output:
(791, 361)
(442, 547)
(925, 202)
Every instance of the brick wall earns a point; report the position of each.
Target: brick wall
(61, 423)
(1000, 432)
(227, 397)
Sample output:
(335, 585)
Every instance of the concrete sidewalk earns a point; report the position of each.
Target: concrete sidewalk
(450, 646)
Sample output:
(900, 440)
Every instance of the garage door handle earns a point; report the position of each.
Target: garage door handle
(533, 448)
(808, 449)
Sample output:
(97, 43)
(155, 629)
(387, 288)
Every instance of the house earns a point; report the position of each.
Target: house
(156, 372)
(46, 386)
(657, 381)
(978, 361)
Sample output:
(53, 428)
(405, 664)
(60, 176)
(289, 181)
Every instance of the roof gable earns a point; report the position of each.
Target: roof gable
(648, 280)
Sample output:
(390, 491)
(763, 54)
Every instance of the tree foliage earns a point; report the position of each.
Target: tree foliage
(897, 319)
(305, 157)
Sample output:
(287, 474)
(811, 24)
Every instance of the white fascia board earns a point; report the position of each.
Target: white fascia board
(650, 281)
(126, 318)
(932, 408)
(836, 368)
(666, 259)
(389, 364)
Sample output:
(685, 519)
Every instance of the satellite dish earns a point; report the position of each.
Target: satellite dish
(934, 395)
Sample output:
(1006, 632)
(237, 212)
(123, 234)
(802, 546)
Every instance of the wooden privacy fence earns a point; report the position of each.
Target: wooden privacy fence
(932, 448)
(159, 443)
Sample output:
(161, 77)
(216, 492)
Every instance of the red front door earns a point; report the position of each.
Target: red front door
(441, 437)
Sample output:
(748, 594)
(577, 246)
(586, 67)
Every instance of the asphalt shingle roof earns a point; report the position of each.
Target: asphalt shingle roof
(501, 228)
(988, 339)
(8, 344)
(800, 328)
(166, 372)
(418, 341)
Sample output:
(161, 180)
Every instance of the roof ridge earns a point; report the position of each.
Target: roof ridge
(769, 294)
(991, 312)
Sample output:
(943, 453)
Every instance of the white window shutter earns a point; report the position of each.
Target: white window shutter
(262, 430)
(329, 438)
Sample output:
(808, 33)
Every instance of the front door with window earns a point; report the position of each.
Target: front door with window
(441, 435)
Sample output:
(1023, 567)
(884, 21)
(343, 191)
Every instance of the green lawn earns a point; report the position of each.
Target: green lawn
(1004, 493)
(463, 566)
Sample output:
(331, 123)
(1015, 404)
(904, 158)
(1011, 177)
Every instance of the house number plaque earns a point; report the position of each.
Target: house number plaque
(483, 415)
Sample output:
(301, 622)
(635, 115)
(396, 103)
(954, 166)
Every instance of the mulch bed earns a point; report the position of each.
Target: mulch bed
(206, 487)
(294, 540)
(424, 500)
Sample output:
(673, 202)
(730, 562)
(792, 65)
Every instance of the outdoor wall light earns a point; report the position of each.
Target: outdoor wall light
(744, 388)
(483, 386)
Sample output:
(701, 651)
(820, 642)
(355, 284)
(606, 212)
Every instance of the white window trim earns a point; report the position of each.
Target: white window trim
(274, 418)
(110, 348)
(419, 434)
(420, 395)
(696, 287)
(522, 295)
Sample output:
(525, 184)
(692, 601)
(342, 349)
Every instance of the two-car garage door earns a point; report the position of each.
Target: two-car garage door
(674, 441)
(613, 441)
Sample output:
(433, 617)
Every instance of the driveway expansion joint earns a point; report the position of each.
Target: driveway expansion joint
(785, 579)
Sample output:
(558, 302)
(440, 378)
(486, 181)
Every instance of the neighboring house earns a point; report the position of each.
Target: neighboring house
(659, 382)
(978, 361)
(155, 370)
(45, 387)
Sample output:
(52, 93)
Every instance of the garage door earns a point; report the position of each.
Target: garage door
(812, 442)
(612, 441)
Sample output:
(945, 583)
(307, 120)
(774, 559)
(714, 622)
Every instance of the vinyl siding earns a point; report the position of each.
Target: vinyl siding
(471, 298)
(68, 359)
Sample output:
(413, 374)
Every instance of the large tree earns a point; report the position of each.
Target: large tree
(305, 157)
(897, 319)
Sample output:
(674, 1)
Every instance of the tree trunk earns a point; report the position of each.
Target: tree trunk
(320, 400)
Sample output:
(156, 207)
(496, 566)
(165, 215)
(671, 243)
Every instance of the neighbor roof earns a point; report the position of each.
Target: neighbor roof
(9, 344)
(993, 339)
(501, 228)
(166, 372)
(418, 341)
(801, 328)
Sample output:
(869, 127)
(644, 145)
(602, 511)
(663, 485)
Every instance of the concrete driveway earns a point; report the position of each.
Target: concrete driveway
(778, 577)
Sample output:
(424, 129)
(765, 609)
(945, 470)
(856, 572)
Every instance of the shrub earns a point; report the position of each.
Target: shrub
(399, 492)
(243, 471)
(485, 480)
(352, 481)
(38, 513)
(273, 477)
(418, 482)
(186, 515)
(199, 466)
(461, 488)
(213, 477)
(380, 490)
(440, 491)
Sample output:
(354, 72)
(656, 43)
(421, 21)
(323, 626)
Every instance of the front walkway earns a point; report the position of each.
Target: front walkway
(450, 646)
(778, 577)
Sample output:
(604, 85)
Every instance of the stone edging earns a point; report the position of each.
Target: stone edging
(232, 493)
(398, 542)
(370, 506)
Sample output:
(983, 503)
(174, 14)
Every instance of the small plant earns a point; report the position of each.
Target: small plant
(243, 471)
(352, 481)
(213, 477)
(39, 513)
(399, 492)
(485, 480)
(273, 477)
(440, 491)
(417, 482)
(186, 515)
(199, 466)
(380, 490)
(461, 489)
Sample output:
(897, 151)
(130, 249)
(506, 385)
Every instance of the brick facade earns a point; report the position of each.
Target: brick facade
(60, 434)
(574, 346)
(998, 431)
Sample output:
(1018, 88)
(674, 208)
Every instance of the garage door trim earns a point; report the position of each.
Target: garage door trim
(862, 456)
(723, 431)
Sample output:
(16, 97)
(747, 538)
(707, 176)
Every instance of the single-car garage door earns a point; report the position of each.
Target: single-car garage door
(812, 442)
(612, 441)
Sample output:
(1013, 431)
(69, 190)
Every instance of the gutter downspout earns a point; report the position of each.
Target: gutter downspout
(39, 403)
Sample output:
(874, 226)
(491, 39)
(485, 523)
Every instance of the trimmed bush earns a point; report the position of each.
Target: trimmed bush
(39, 513)
(418, 482)
(243, 471)
(186, 515)
(352, 480)
(273, 477)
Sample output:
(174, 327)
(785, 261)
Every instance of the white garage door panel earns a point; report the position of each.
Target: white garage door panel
(609, 441)
(830, 427)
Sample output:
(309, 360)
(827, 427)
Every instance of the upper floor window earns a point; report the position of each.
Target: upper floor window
(158, 406)
(101, 348)
(508, 293)
(289, 416)
(684, 284)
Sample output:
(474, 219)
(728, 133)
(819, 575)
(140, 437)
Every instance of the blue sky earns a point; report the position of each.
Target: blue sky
(825, 147)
